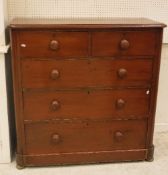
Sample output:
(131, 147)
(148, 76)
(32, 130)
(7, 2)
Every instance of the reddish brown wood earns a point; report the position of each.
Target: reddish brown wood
(84, 136)
(154, 90)
(91, 104)
(83, 157)
(54, 75)
(54, 45)
(20, 136)
(55, 105)
(124, 43)
(47, 44)
(122, 73)
(120, 103)
(85, 23)
(55, 138)
(119, 136)
(86, 73)
(85, 90)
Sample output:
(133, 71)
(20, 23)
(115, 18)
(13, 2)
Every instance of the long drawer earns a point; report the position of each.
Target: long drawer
(91, 104)
(85, 72)
(60, 137)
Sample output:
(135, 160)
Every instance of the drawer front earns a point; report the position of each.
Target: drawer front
(38, 44)
(59, 137)
(123, 43)
(95, 104)
(85, 73)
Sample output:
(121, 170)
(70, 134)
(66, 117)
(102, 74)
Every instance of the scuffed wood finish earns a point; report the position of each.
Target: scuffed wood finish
(87, 23)
(53, 44)
(85, 89)
(86, 73)
(82, 157)
(86, 104)
(124, 43)
(84, 137)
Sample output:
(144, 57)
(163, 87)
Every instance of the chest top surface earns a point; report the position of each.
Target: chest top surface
(85, 23)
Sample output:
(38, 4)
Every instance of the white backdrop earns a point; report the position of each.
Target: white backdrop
(4, 127)
(155, 9)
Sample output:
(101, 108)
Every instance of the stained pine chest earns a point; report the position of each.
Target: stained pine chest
(85, 89)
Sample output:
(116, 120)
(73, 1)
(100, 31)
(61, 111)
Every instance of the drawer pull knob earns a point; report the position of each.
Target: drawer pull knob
(122, 73)
(124, 44)
(120, 103)
(56, 138)
(54, 45)
(54, 74)
(119, 136)
(55, 105)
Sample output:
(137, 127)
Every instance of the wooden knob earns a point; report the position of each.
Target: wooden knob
(124, 44)
(55, 138)
(54, 74)
(122, 73)
(54, 45)
(120, 104)
(119, 136)
(55, 105)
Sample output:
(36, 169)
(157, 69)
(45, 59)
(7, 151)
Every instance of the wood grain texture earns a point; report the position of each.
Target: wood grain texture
(99, 23)
(109, 43)
(91, 104)
(84, 136)
(85, 90)
(154, 91)
(82, 158)
(20, 136)
(38, 44)
(85, 73)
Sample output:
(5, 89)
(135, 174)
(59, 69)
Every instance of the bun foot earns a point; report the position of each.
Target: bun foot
(150, 160)
(150, 154)
(20, 167)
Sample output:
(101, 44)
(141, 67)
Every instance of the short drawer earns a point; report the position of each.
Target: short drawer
(59, 137)
(135, 43)
(85, 73)
(86, 104)
(48, 44)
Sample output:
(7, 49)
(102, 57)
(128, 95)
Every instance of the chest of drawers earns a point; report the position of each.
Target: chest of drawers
(85, 90)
